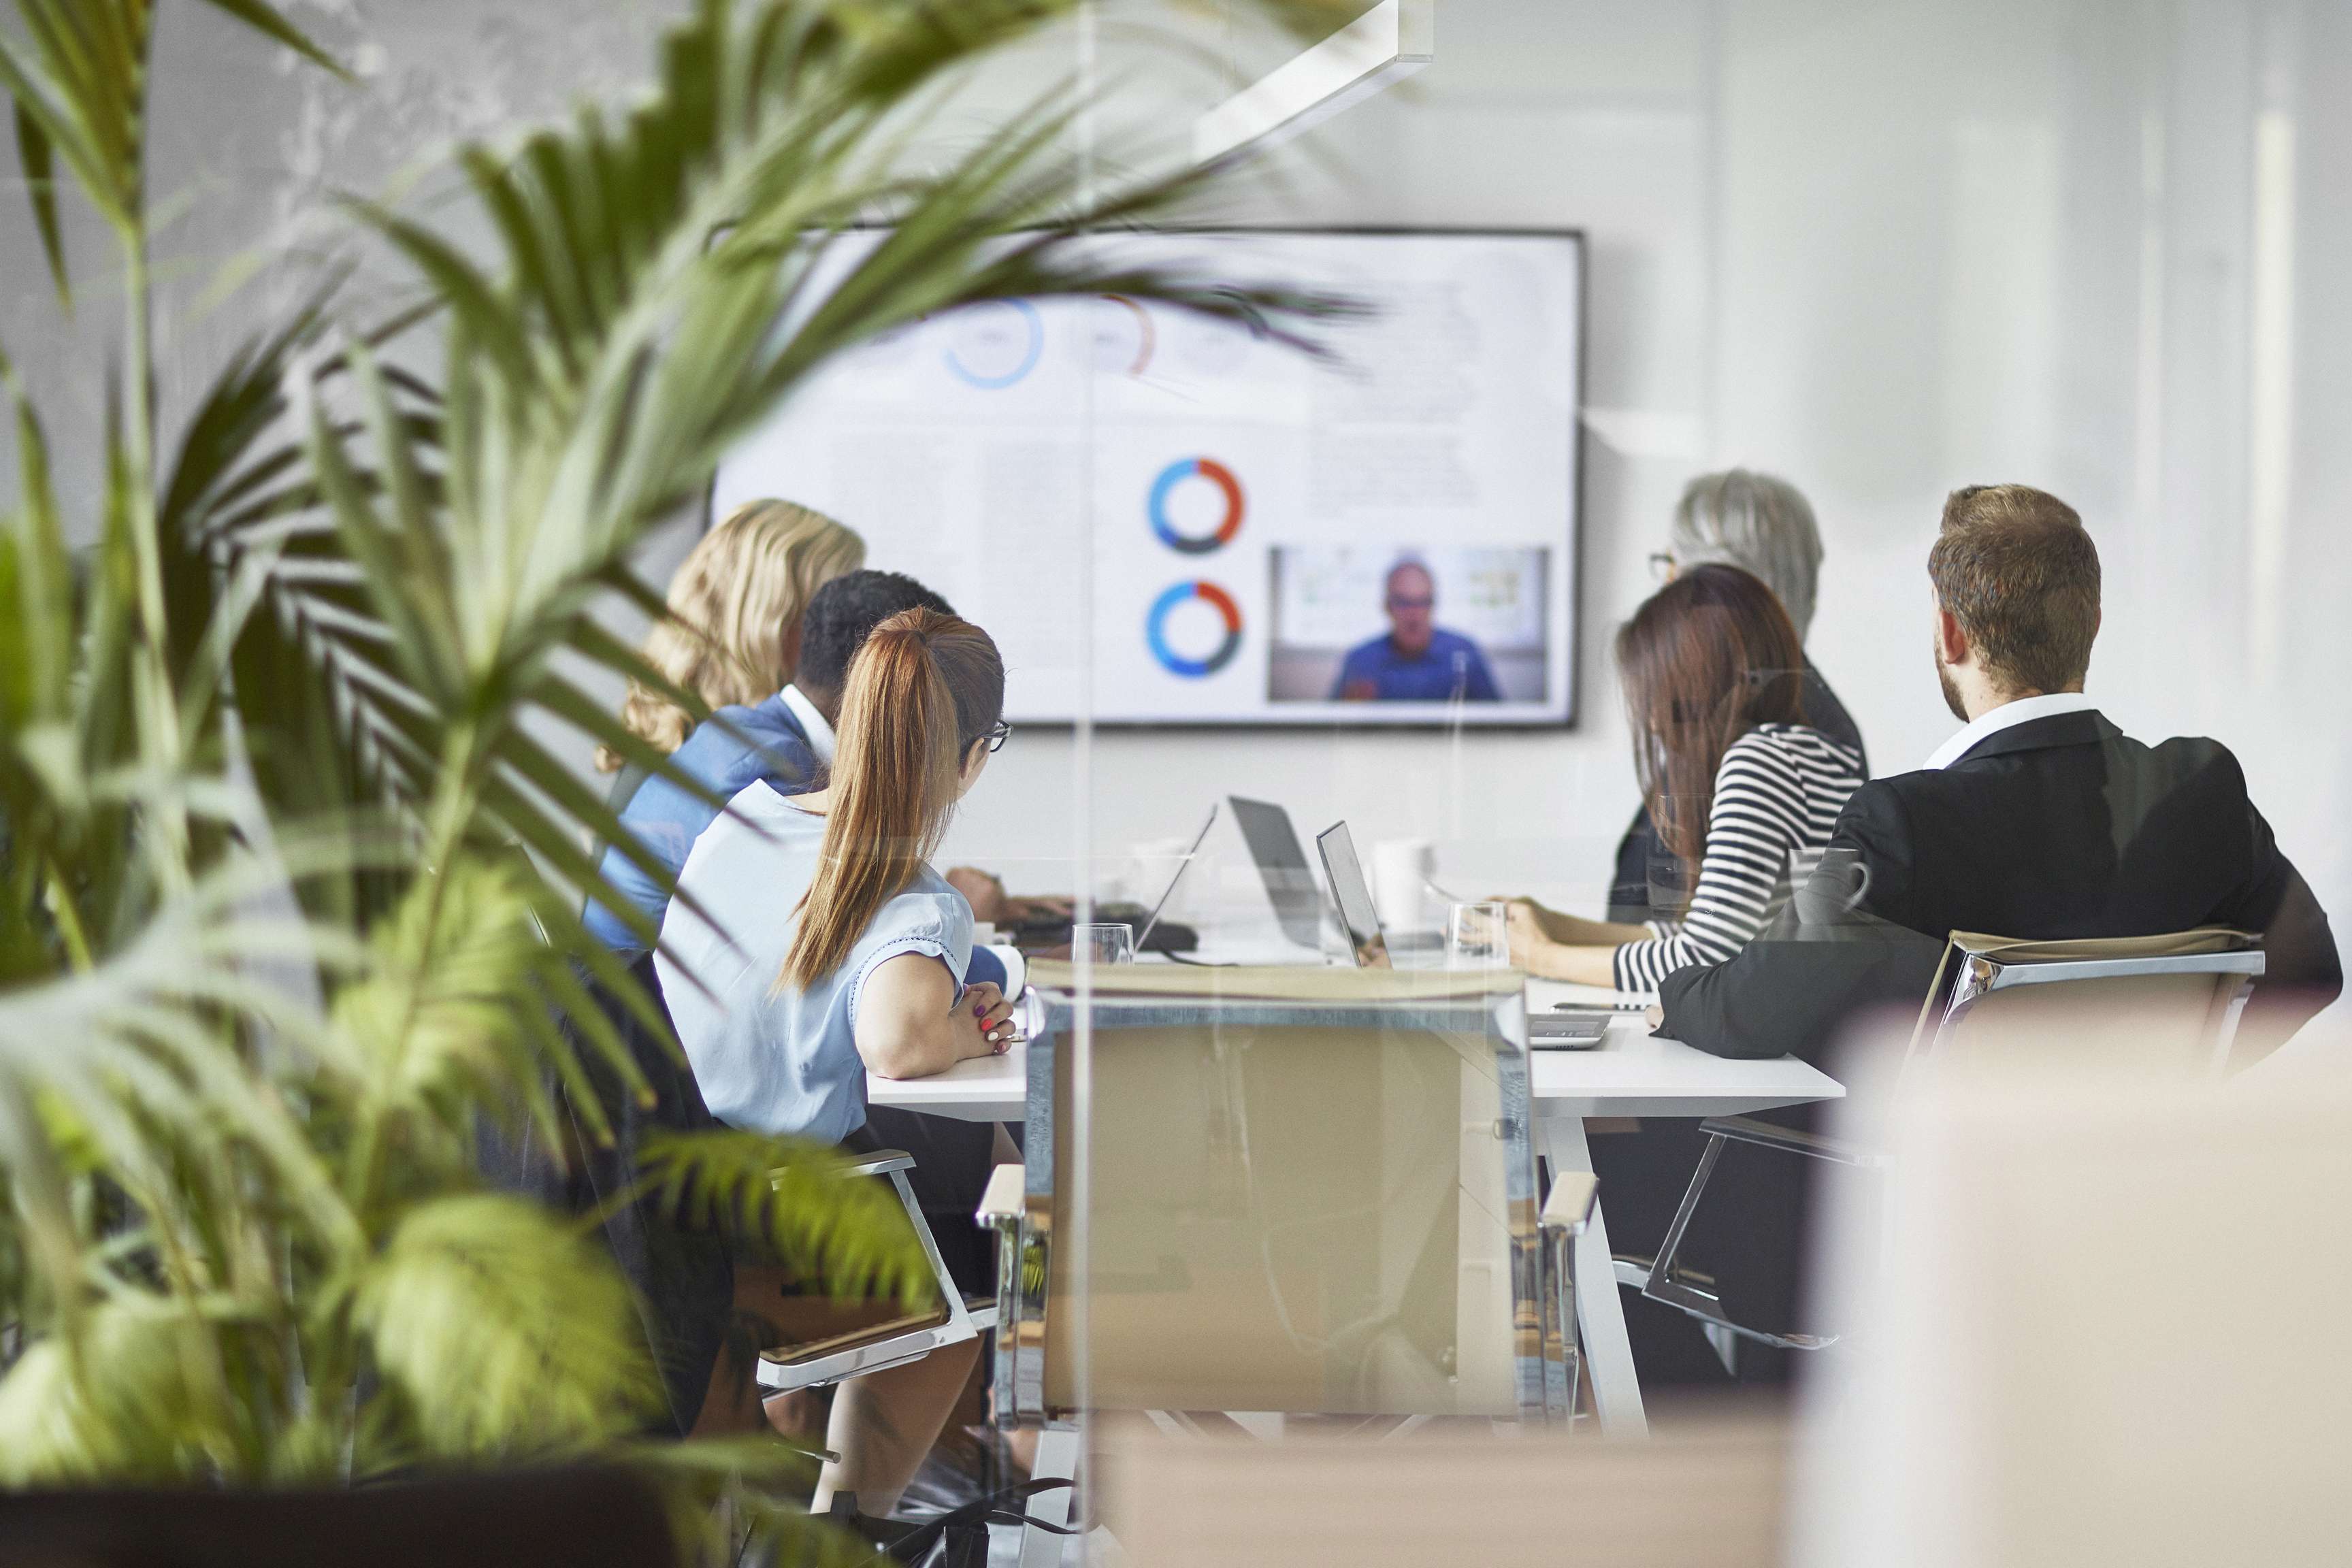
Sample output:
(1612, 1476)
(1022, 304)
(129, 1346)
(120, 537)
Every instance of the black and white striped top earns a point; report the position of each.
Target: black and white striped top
(1776, 797)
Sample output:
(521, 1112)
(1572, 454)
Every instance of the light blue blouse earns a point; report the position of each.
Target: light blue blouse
(782, 1061)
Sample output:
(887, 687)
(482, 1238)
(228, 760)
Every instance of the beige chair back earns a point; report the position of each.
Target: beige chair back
(1287, 1206)
(2109, 1327)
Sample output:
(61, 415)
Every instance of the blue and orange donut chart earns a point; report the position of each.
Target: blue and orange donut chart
(1215, 473)
(1155, 629)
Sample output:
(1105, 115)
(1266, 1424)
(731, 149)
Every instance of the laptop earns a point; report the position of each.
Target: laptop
(1143, 937)
(1282, 866)
(1366, 942)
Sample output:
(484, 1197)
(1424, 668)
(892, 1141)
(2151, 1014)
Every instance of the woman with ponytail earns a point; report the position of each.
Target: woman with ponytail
(812, 942)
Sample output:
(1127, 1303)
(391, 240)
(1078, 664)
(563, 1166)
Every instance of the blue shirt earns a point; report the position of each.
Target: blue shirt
(782, 1061)
(1430, 676)
(735, 747)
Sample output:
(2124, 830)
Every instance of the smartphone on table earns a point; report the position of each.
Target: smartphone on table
(1574, 1029)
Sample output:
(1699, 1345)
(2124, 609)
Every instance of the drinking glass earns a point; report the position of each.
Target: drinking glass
(1478, 936)
(1103, 943)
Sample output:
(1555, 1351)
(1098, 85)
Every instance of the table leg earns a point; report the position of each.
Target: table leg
(1599, 1315)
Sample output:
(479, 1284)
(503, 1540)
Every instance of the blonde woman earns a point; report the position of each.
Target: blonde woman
(738, 605)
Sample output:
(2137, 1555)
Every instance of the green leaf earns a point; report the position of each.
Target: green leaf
(505, 1333)
(263, 19)
(32, 153)
(137, 1399)
(848, 1232)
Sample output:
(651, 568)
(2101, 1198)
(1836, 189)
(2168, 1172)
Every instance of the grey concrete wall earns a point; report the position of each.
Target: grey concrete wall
(249, 150)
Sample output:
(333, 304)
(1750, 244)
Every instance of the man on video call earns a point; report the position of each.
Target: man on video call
(1418, 660)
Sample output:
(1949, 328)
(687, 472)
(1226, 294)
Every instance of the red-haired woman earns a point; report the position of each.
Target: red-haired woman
(1744, 792)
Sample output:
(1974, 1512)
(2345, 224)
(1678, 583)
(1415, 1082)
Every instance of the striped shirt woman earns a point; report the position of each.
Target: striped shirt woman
(1714, 682)
(1777, 793)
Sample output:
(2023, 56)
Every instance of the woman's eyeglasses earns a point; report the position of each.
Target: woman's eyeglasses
(998, 733)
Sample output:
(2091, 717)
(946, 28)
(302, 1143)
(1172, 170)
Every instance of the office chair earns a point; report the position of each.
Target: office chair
(1319, 1206)
(2161, 1006)
(877, 1347)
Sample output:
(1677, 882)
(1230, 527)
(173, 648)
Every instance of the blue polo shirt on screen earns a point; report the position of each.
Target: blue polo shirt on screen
(1451, 661)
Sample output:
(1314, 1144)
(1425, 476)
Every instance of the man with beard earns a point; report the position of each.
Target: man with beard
(2039, 820)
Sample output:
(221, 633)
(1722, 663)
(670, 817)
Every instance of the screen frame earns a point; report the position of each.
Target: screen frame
(1572, 554)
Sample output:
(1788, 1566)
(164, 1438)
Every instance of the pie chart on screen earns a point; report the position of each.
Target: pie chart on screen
(995, 343)
(1194, 629)
(1121, 337)
(1196, 505)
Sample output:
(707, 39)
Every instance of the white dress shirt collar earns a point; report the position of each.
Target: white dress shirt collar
(1993, 721)
(813, 724)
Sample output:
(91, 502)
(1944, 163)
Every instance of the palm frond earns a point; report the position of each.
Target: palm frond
(78, 79)
(602, 357)
(850, 1233)
(291, 872)
(504, 1334)
(272, 22)
(36, 157)
(133, 1058)
(140, 1396)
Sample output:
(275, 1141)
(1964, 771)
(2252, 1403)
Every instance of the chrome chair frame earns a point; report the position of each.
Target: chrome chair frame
(1018, 1205)
(1976, 977)
(886, 1345)
(1981, 975)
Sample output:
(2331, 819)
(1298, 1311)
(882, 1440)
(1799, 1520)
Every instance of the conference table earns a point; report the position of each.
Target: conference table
(1631, 1073)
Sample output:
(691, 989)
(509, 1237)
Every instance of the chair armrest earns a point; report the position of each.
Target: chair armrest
(1004, 1202)
(1813, 1145)
(881, 1163)
(1569, 1204)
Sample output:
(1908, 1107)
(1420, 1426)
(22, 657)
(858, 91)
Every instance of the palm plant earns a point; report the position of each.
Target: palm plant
(291, 880)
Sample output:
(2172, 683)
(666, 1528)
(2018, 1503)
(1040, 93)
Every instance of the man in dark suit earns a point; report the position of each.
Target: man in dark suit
(2039, 820)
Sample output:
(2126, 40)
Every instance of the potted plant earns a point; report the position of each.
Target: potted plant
(289, 880)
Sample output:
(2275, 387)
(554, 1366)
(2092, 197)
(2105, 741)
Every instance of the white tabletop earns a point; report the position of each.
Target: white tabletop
(1633, 1074)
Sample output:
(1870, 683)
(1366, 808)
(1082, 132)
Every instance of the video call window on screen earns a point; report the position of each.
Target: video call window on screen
(1356, 625)
(1165, 520)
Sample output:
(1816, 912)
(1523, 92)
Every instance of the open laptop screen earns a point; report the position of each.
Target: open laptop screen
(1365, 942)
(1282, 862)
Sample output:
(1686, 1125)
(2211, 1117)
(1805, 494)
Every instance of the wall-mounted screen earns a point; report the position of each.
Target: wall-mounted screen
(1163, 519)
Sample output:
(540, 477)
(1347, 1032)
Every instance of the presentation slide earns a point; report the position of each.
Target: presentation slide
(1164, 519)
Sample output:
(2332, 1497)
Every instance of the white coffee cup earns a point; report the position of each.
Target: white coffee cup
(1401, 869)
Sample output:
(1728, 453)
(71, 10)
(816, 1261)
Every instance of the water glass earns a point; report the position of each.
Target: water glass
(1478, 936)
(1102, 944)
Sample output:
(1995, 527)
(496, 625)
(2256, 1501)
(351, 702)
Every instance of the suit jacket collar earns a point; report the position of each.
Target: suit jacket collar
(2088, 726)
